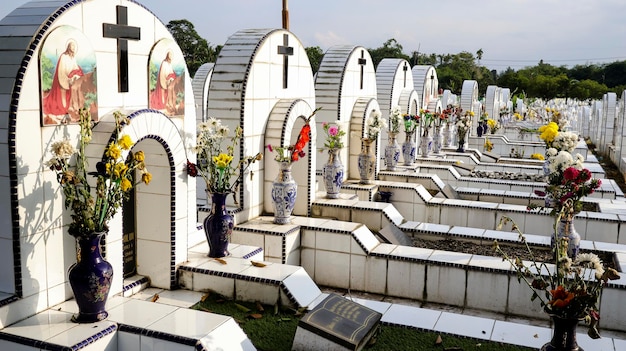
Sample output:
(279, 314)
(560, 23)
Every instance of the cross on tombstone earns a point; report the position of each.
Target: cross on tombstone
(123, 33)
(286, 51)
(405, 68)
(362, 62)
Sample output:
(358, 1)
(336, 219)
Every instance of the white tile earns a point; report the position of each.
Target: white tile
(406, 279)
(189, 323)
(128, 341)
(139, 313)
(154, 344)
(179, 298)
(470, 326)
(302, 287)
(520, 334)
(228, 336)
(411, 316)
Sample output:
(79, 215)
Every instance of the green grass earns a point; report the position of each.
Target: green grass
(273, 328)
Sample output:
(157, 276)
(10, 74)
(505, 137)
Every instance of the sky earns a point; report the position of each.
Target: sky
(511, 33)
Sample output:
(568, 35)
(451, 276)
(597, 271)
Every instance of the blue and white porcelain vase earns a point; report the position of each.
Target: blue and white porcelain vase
(425, 143)
(566, 230)
(448, 137)
(218, 226)
(367, 161)
(284, 192)
(408, 148)
(90, 278)
(392, 152)
(437, 140)
(333, 174)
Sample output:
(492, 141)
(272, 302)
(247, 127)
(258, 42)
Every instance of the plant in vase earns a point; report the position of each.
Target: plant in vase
(493, 125)
(568, 182)
(333, 170)
(409, 147)
(463, 125)
(284, 187)
(214, 149)
(374, 124)
(392, 150)
(440, 119)
(426, 121)
(93, 207)
(567, 289)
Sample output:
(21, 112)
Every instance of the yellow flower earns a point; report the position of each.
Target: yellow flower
(146, 177)
(139, 156)
(126, 185)
(491, 123)
(548, 132)
(222, 160)
(537, 157)
(113, 151)
(471, 113)
(119, 170)
(125, 142)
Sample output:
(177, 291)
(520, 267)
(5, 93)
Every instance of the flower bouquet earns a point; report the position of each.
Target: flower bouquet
(333, 170)
(395, 120)
(567, 289)
(114, 174)
(373, 125)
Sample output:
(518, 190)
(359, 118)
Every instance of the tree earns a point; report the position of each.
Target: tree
(390, 49)
(315, 55)
(196, 50)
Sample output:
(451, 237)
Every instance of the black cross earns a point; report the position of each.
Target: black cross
(405, 68)
(286, 51)
(122, 32)
(362, 62)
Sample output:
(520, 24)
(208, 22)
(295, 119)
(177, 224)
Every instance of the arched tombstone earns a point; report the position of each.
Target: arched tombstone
(469, 101)
(363, 108)
(608, 121)
(113, 40)
(622, 135)
(267, 96)
(596, 121)
(200, 86)
(395, 85)
(345, 75)
(426, 83)
(585, 115)
(492, 101)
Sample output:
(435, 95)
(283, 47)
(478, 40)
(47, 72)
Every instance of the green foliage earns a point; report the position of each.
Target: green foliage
(276, 327)
(196, 50)
(315, 55)
(390, 49)
(47, 73)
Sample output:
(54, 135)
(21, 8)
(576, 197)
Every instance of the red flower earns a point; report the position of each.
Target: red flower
(570, 173)
(560, 297)
(192, 170)
(303, 138)
(584, 175)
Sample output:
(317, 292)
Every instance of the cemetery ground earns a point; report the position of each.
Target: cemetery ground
(273, 328)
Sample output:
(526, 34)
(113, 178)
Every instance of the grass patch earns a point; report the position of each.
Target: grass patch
(273, 328)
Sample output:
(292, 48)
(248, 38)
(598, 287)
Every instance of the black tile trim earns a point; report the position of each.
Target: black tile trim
(158, 335)
(43, 345)
(139, 282)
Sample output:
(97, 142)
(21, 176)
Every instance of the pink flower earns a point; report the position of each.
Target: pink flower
(584, 175)
(333, 131)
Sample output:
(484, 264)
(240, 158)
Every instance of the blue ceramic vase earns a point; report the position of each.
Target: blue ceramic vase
(218, 226)
(333, 174)
(284, 192)
(90, 278)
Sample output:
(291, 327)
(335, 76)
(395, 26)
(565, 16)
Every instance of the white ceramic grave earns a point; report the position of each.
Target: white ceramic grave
(425, 83)
(200, 86)
(345, 75)
(262, 81)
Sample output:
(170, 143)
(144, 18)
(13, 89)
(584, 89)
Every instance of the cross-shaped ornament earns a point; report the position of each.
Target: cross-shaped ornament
(362, 61)
(286, 51)
(123, 33)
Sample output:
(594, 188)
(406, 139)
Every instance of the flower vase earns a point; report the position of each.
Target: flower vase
(332, 173)
(90, 278)
(564, 335)
(367, 162)
(437, 140)
(479, 129)
(218, 226)
(566, 230)
(461, 147)
(408, 148)
(425, 143)
(448, 135)
(392, 152)
(284, 192)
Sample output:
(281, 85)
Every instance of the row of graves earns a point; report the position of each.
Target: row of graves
(117, 58)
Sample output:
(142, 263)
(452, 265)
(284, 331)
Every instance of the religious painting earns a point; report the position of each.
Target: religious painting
(167, 78)
(67, 68)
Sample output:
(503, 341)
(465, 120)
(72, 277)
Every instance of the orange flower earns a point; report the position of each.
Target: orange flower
(560, 297)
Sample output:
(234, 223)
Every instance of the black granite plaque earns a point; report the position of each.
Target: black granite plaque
(342, 321)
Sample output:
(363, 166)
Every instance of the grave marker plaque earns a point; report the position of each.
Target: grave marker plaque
(336, 324)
